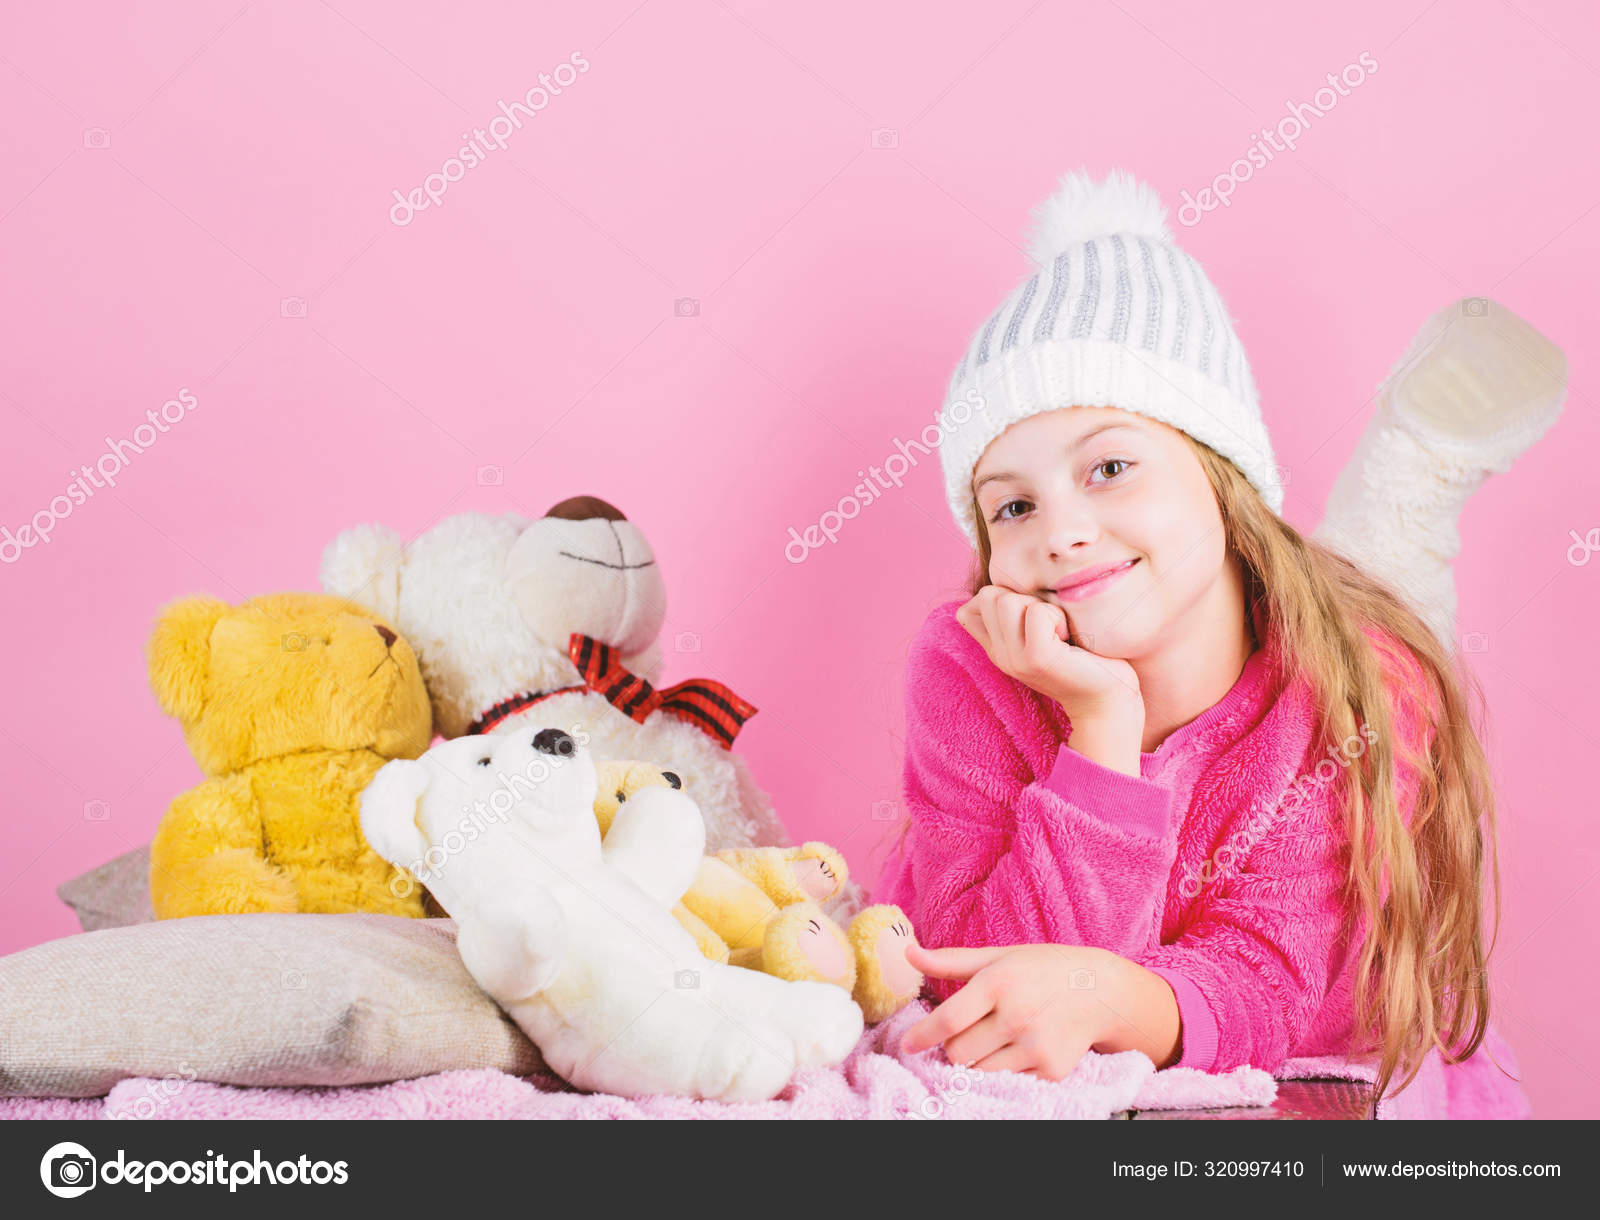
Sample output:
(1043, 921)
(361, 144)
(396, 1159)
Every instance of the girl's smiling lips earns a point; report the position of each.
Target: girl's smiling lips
(1092, 581)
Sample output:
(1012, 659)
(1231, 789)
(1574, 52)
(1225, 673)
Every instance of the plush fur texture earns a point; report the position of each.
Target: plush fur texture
(489, 603)
(575, 940)
(290, 703)
(1082, 209)
(1476, 387)
(757, 908)
(618, 782)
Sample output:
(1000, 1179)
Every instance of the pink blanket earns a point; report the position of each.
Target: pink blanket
(876, 1081)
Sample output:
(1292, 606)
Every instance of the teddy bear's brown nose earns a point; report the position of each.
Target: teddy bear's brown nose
(389, 637)
(582, 508)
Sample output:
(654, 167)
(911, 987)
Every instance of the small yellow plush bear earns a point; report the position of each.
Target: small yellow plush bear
(761, 908)
(290, 703)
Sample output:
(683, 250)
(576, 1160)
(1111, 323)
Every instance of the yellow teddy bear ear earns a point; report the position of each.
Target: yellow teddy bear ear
(179, 654)
(618, 779)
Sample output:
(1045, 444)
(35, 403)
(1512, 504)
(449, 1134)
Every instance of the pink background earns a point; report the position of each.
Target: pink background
(171, 178)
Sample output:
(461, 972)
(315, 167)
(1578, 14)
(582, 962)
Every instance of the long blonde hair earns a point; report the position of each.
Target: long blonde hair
(1422, 978)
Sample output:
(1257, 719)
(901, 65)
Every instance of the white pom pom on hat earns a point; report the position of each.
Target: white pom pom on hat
(1113, 314)
(1082, 209)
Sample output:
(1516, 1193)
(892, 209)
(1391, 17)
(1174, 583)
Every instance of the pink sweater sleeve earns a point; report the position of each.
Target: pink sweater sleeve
(1012, 840)
(1263, 946)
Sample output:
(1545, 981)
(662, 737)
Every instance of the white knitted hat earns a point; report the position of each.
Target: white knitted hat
(1115, 316)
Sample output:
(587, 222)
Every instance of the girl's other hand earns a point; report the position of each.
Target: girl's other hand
(1034, 1009)
(1027, 638)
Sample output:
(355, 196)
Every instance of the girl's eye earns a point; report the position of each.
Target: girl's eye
(1001, 514)
(484, 762)
(1112, 462)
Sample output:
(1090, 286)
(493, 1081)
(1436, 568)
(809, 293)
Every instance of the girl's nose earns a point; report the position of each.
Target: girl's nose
(1068, 524)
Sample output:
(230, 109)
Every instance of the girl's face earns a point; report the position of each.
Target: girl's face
(1070, 491)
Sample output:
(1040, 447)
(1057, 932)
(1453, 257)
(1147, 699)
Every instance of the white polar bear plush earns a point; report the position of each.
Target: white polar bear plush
(489, 604)
(574, 938)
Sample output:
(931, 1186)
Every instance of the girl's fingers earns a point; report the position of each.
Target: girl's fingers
(967, 1007)
(1012, 612)
(991, 630)
(979, 1041)
(980, 631)
(1009, 1058)
(997, 616)
(954, 963)
(970, 616)
(1042, 625)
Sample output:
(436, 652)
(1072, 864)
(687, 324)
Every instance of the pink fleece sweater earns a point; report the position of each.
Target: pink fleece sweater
(1203, 868)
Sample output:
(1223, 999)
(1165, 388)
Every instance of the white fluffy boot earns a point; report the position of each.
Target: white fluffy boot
(1476, 388)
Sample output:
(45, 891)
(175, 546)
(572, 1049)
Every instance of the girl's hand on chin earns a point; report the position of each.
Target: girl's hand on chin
(1026, 638)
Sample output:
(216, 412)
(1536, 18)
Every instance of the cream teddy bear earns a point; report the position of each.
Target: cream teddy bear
(492, 605)
(574, 939)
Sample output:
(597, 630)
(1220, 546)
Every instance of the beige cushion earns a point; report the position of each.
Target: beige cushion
(249, 1000)
(117, 893)
(114, 895)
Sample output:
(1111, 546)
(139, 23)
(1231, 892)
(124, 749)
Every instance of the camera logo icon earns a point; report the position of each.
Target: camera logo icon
(96, 137)
(686, 980)
(292, 307)
(885, 137)
(491, 476)
(1474, 641)
(1080, 980)
(686, 307)
(67, 1170)
(686, 641)
(293, 641)
(1475, 307)
(96, 811)
(885, 811)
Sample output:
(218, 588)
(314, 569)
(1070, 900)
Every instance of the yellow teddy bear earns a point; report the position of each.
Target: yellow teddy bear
(290, 703)
(761, 908)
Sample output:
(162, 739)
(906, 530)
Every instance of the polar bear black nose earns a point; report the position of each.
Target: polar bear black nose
(553, 741)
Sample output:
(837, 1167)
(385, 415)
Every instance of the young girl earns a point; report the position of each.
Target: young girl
(1179, 779)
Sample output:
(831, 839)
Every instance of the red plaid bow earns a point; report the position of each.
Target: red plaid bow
(710, 706)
